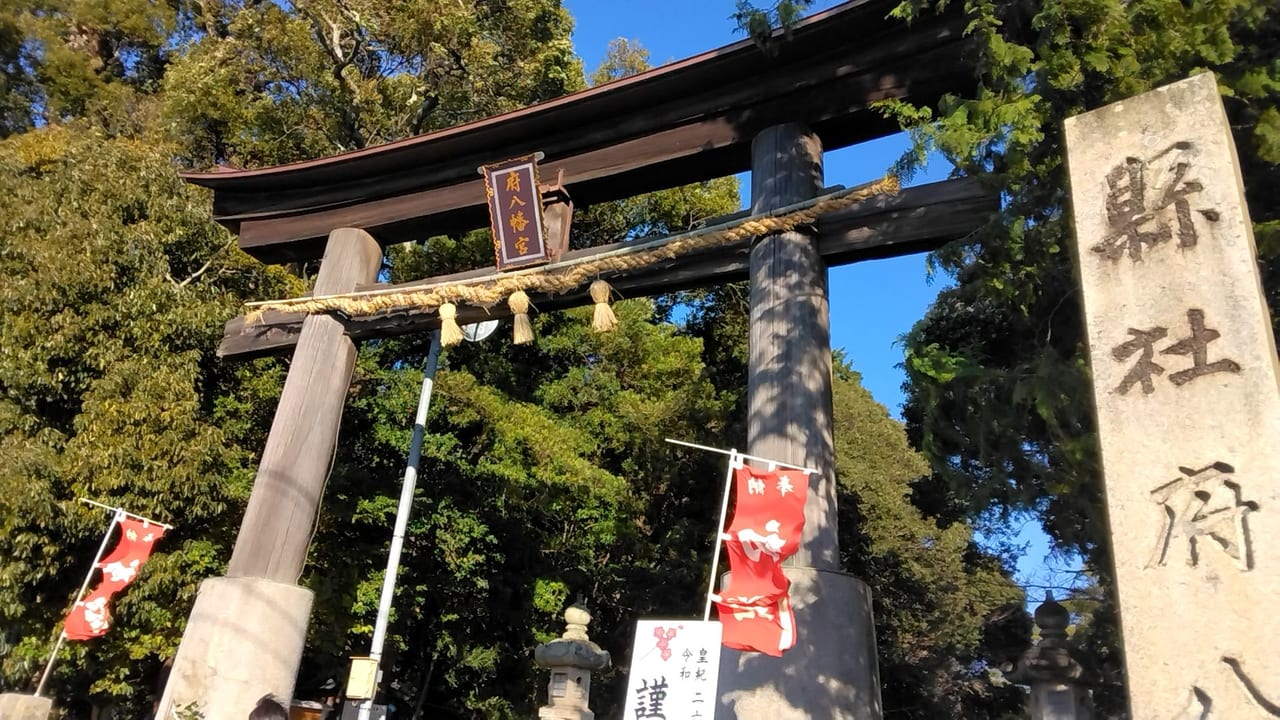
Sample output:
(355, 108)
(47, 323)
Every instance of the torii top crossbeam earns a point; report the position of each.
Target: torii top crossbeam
(685, 122)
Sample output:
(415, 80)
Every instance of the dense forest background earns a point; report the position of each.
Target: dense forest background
(545, 478)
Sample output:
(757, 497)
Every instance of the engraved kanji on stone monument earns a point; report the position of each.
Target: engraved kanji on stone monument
(1183, 361)
(1200, 705)
(1141, 196)
(1143, 341)
(1250, 688)
(1204, 507)
(1196, 346)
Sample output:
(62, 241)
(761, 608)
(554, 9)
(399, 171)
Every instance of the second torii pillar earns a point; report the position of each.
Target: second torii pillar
(831, 672)
(247, 630)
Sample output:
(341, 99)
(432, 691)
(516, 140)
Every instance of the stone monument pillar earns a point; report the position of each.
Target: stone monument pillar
(571, 658)
(1187, 397)
(1054, 677)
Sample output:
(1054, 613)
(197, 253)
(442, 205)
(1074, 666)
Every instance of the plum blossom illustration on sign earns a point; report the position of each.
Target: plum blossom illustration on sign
(664, 636)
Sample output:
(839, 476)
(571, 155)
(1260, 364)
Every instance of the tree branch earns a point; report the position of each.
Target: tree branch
(329, 34)
(202, 269)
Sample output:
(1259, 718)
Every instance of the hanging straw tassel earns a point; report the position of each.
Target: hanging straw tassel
(604, 319)
(522, 331)
(450, 333)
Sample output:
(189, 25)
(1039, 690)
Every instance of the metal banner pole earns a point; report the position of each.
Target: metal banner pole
(774, 463)
(122, 512)
(62, 636)
(402, 517)
(734, 463)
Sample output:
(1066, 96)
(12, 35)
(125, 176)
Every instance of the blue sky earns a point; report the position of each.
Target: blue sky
(873, 303)
(862, 323)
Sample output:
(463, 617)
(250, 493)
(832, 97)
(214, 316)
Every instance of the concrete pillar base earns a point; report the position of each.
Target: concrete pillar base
(831, 672)
(244, 639)
(14, 706)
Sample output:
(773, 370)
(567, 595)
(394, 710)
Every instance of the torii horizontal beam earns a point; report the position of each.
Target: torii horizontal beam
(684, 122)
(915, 220)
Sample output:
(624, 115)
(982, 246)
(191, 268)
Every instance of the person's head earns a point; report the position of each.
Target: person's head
(268, 709)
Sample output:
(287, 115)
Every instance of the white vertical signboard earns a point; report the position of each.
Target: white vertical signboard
(674, 670)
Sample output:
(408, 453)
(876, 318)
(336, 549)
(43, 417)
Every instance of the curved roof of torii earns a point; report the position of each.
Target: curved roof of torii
(683, 122)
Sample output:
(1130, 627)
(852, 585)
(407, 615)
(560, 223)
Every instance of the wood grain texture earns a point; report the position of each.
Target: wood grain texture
(278, 522)
(685, 122)
(789, 366)
(917, 220)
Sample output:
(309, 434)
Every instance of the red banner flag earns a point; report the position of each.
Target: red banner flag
(759, 577)
(768, 515)
(91, 618)
(768, 521)
(768, 628)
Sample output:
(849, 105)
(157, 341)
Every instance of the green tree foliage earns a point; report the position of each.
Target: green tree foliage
(759, 22)
(946, 613)
(113, 288)
(74, 59)
(623, 59)
(272, 82)
(15, 80)
(658, 213)
(999, 393)
(998, 381)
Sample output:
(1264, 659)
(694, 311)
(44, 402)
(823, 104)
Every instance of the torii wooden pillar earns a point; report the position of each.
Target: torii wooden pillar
(832, 670)
(247, 630)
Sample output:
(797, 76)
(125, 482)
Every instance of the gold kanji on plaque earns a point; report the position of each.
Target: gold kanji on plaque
(515, 212)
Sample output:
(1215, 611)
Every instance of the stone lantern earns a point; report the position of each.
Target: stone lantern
(571, 658)
(1058, 691)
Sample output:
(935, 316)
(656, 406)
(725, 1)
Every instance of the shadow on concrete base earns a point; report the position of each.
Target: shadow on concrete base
(831, 672)
(24, 707)
(244, 639)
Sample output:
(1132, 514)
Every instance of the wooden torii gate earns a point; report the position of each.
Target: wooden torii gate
(716, 114)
